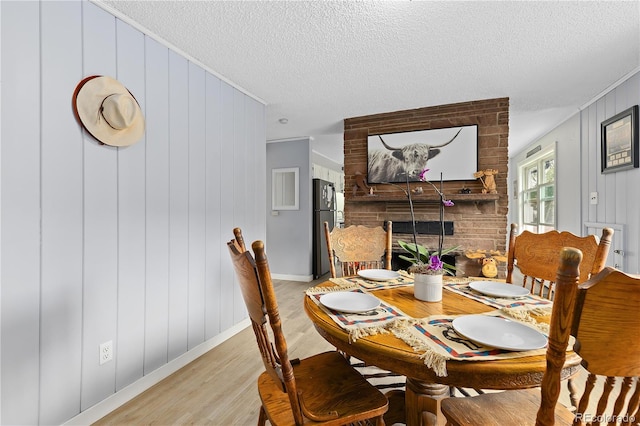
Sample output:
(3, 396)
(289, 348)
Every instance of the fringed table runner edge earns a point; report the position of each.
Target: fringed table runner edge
(407, 329)
(356, 324)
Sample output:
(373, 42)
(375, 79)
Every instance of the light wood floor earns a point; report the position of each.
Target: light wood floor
(219, 388)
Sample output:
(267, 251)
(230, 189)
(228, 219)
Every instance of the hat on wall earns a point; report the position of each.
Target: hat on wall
(108, 111)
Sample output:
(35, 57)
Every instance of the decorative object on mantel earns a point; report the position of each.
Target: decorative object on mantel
(108, 111)
(489, 181)
(489, 260)
(464, 190)
(427, 267)
(361, 183)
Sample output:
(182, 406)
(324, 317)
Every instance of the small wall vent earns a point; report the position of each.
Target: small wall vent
(534, 150)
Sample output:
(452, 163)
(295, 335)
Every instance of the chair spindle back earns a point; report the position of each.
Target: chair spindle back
(606, 326)
(255, 282)
(536, 256)
(359, 247)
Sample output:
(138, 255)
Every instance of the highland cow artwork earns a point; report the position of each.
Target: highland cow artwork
(450, 151)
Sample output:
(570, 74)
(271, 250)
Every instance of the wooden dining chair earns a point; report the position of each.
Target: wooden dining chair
(358, 247)
(532, 262)
(361, 247)
(322, 389)
(535, 257)
(602, 316)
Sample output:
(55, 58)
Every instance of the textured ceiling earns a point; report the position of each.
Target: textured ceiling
(318, 62)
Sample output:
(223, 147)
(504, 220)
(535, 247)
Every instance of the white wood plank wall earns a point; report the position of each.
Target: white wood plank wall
(618, 201)
(102, 243)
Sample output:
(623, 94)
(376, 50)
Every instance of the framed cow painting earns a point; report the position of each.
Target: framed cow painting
(452, 151)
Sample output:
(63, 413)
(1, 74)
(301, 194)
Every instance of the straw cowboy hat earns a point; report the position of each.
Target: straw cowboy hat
(108, 111)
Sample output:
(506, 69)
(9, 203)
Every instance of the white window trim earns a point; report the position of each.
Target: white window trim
(549, 150)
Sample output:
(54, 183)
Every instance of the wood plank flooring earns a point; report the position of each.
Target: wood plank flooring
(219, 388)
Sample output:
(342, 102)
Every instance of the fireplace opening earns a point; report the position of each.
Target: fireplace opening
(431, 227)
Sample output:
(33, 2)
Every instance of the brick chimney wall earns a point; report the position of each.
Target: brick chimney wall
(480, 221)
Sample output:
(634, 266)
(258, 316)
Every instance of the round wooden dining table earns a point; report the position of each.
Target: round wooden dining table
(424, 389)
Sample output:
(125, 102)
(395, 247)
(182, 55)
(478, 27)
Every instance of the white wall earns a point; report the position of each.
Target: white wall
(102, 243)
(566, 140)
(289, 233)
(578, 175)
(618, 201)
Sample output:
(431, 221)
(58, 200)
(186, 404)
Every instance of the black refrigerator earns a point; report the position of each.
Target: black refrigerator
(324, 210)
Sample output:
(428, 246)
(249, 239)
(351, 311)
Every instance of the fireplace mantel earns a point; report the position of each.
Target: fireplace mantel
(480, 219)
(425, 198)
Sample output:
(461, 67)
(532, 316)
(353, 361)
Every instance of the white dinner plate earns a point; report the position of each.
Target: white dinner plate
(378, 274)
(499, 333)
(350, 302)
(496, 289)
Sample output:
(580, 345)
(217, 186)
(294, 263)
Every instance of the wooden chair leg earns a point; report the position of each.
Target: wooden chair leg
(573, 393)
(395, 413)
(262, 418)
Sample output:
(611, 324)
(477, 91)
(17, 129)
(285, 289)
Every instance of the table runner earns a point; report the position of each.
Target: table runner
(405, 279)
(362, 324)
(462, 287)
(434, 336)
(438, 341)
(523, 309)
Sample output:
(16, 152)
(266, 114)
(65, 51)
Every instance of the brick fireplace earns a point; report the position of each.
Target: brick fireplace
(479, 220)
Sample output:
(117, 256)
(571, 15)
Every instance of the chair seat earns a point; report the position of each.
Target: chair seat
(342, 390)
(518, 407)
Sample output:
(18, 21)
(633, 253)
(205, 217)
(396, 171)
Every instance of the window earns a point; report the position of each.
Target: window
(537, 192)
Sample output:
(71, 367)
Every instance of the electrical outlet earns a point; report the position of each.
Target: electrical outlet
(593, 198)
(106, 352)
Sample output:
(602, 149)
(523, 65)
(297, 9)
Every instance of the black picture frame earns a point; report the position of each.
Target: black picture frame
(619, 141)
(457, 160)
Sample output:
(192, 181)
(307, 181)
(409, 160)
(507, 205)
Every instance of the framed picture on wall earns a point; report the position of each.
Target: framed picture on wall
(619, 136)
(451, 151)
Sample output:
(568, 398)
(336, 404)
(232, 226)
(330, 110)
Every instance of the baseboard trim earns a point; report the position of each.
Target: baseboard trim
(303, 278)
(107, 405)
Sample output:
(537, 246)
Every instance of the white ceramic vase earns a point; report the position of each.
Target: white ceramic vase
(427, 287)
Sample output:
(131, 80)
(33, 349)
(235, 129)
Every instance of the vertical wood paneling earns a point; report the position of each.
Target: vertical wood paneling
(178, 205)
(228, 192)
(250, 185)
(240, 213)
(254, 165)
(593, 161)
(584, 165)
(157, 205)
(626, 200)
(100, 221)
(607, 202)
(216, 252)
(62, 145)
(260, 165)
(620, 202)
(629, 191)
(616, 191)
(600, 178)
(197, 163)
(20, 170)
(102, 243)
(131, 218)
